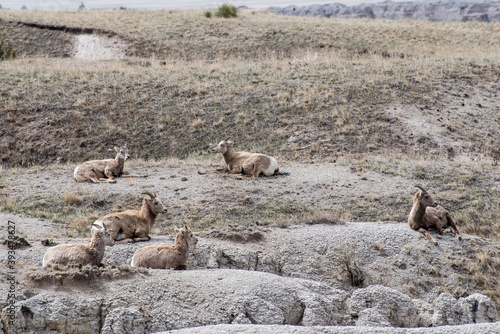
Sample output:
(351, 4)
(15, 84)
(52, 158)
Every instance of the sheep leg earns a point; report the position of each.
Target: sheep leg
(126, 174)
(132, 240)
(92, 176)
(141, 239)
(441, 231)
(453, 225)
(424, 232)
(218, 170)
(104, 180)
(126, 240)
(132, 175)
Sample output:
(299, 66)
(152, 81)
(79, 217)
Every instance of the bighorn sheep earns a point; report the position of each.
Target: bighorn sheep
(166, 257)
(103, 170)
(133, 225)
(426, 213)
(80, 254)
(248, 164)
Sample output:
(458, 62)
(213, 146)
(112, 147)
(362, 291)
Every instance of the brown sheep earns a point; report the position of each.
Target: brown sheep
(166, 257)
(133, 225)
(80, 254)
(103, 170)
(426, 213)
(248, 164)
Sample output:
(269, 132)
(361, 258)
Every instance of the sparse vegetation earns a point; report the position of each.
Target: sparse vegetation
(72, 198)
(7, 54)
(227, 11)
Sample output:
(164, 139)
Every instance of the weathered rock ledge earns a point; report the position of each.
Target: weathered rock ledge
(439, 11)
(293, 276)
(167, 300)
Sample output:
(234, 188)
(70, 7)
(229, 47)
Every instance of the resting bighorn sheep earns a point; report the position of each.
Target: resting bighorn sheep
(133, 225)
(426, 213)
(166, 257)
(248, 164)
(103, 170)
(80, 254)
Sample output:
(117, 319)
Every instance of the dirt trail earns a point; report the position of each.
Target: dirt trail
(97, 47)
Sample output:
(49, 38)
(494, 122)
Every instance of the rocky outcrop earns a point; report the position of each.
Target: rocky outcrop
(382, 306)
(168, 300)
(390, 255)
(450, 11)
(294, 276)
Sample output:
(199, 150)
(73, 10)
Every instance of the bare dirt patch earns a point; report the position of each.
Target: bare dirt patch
(96, 47)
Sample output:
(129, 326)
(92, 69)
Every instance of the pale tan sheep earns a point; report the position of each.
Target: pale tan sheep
(426, 213)
(166, 257)
(103, 170)
(133, 225)
(248, 164)
(80, 254)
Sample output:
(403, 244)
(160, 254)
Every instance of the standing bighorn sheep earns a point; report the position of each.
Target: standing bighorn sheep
(103, 170)
(166, 257)
(248, 164)
(80, 254)
(133, 225)
(426, 213)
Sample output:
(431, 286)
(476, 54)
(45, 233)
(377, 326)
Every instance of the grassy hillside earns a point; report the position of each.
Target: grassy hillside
(298, 87)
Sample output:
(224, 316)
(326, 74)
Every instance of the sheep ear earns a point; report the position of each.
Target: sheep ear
(230, 143)
(117, 149)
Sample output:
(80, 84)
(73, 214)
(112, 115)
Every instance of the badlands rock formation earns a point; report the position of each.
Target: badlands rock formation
(439, 11)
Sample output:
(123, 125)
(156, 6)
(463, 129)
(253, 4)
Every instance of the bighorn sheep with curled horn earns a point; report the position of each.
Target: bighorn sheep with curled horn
(166, 257)
(104, 170)
(133, 225)
(248, 164)
(80, 254)
(426, 213)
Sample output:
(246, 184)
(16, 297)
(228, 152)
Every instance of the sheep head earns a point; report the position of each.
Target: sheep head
(424, 198)
(108, 241)
(186, 234)
(223, 147)
(122, 151)
(154, 203)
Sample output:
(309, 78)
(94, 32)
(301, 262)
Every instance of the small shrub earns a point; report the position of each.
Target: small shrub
(208, 15)
(6, 55)
(227, 11)
(72, 199)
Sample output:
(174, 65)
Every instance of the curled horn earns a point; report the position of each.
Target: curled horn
(152, 195)
(421, 188)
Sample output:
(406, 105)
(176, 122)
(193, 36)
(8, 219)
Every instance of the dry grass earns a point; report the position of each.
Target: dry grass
(72, 198)
(188, 35)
